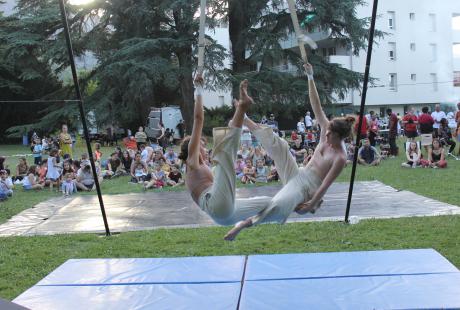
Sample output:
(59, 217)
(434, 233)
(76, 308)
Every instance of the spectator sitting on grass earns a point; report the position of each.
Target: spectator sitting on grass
(244, 152)
(157, 156)
(298, 150)
(308, 156)
(273, 176)
(68, 185)
(175, 177)
(6, 184)
(126, 161)
(21, 169)
(97, 152)
(164, 165)
(413, 156)
(436, 156)
(138, 169)
(85, 179)
(239, 166)
(114, 166)
(158, 178)
(30, 181)
(249, 173)
(261, 171)
(368, 155)
(294, 135)
(171, 156)
(256, 154)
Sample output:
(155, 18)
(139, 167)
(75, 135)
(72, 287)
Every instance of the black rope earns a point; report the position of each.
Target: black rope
(361, 111)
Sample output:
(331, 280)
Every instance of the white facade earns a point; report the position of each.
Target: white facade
(415, 62)
(8, 7)
(219, 98)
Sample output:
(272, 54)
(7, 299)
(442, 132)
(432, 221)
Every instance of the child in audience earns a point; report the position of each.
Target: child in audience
(249, 173)
(413, 156)
(261, 171)
(175, 177)
(68, 186)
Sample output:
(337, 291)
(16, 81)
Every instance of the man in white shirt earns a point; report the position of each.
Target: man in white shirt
(437, 116)
(301, 126)
(308, 121)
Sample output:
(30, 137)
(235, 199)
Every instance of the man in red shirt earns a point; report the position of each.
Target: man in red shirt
(364, 127)
(393, 132)
(410, 122)
(426, 122)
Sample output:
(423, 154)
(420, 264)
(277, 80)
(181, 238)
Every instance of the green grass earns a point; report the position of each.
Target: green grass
(439, 184)
(26, 260)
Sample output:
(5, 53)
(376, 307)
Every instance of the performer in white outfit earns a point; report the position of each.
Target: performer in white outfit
(303, 187)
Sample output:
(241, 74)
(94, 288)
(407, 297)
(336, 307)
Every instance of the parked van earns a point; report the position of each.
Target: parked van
(170, 117)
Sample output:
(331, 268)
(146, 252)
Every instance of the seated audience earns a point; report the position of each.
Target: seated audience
(368, 155)
(413, 155)
(436, 156)
(261, 171)
(31, 180)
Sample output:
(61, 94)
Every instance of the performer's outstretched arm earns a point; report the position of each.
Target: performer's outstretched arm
(193, 159)
(315, 101)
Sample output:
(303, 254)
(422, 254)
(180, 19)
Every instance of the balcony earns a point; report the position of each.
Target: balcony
(342, 60)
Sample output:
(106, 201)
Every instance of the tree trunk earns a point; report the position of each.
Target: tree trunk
(186, 86)
(237, 22)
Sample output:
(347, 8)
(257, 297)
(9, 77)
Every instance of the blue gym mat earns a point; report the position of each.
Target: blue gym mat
(400, 279)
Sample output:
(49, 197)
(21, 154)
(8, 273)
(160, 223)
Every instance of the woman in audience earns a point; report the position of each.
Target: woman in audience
(65, 141)
(413, 156)
(175, 176)
(30, 181)
(21, 169)
(126, 161)
(436, 156)
(257, 154)
(239, 166)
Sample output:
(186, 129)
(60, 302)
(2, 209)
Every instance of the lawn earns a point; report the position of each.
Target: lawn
(440, 184)
(25, 260)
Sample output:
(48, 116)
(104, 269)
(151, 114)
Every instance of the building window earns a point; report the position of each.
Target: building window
(434, 53)
(456, 50)
(392, 50)
(456, 21)
(456, 78)
(391, 20)
(434, 81)
(221, 100)
(393, 82)
(412, 47)
(413, 77)
(433, 22)
(412, 16)
(332, 51)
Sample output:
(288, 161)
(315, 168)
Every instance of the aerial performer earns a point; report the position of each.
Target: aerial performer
(303, 188)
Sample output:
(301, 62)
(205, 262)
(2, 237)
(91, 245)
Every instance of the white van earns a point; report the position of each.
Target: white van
(169, 116)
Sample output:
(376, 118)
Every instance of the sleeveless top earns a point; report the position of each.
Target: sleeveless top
(198, 180)
(435, 157)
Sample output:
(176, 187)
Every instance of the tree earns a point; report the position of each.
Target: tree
(24, 75)
(257, 28)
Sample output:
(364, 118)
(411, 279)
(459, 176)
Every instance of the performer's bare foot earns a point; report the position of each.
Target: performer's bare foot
(231, 235)
(245, 100)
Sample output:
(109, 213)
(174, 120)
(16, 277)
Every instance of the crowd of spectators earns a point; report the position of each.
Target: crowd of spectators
(155, 164)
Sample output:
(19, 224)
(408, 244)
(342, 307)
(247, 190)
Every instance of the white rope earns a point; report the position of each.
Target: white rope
(201, 42)
(300, 36)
